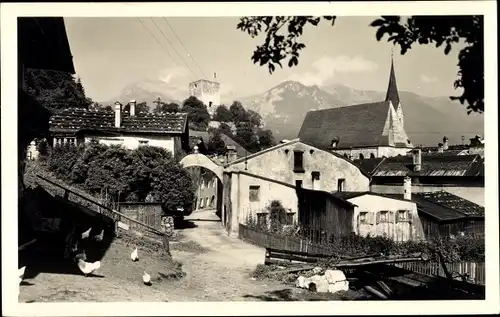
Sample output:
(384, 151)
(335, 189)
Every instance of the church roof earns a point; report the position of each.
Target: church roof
(353, 126)
(392, 89)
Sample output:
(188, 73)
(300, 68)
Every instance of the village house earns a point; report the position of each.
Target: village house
(370, 130)
(443, 214)
(118, 127)
(380, 215)
(252, 182)
(461, 175)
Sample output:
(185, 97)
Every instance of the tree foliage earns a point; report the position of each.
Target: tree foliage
(167, 107)
(198, 115)
(131, 175)
(56, 90)
(140, 107)
(283, 32)
(238, 113)
(215, 144)
(222, 114)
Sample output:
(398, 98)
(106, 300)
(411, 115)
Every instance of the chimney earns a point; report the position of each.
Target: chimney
(132, 108)
(407, 188)
(334, 143)
(231, 153)
(440, 147)
(445, 143)
(417, 160)
(118, 114)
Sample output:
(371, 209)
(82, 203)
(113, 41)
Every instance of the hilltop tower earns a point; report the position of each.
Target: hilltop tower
(208, 91)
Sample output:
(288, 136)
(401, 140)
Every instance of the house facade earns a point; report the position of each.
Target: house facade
(370, 130)
(378, 215)
(118, 127)
(252, 182)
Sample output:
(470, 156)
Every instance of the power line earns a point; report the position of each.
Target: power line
(151, 33)
(174, 48)
(189, 54)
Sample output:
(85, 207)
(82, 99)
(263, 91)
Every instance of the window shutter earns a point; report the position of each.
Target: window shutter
(410, 216)
(377, 218)
(391, 216)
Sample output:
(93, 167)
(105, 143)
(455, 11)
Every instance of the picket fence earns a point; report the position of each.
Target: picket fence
(476, 271)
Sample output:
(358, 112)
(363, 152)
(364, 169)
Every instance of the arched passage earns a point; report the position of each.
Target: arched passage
(200, 160)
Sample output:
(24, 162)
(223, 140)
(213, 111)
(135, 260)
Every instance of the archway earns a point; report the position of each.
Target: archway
(200, 160)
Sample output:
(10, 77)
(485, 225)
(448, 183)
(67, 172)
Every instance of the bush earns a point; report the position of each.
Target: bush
(131, 175)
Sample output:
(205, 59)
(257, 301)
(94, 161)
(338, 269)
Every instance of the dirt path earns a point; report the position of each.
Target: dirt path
(218, 268)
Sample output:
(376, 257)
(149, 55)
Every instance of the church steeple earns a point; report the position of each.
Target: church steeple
(392, 89)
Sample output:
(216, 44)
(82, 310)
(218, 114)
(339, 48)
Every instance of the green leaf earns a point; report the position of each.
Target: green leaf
(378, 22)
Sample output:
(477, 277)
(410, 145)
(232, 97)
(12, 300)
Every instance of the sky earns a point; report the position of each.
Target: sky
(111, 53)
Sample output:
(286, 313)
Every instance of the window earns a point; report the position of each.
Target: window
(383, 216)
(363, 217)
(298, 183)
(71, 141)
(143, 142)
(298, 162)
(372, 155)
(201, 203)
(315, 175)
(361, 156)
(206, 202)
(262, 219)
(210, 104)
(340, 184)
(403, 216)
(254, 193)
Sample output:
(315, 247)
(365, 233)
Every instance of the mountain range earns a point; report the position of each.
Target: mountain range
(283, 108)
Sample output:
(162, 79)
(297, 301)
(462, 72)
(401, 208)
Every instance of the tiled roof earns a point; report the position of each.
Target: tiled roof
(454, 202)
(444, 206)
(439, 165)
(369, 165)
(356, 126)
(74, 120)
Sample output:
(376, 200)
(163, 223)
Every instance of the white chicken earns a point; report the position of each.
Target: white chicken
(88, 268)
(134, 256)
(100, 236)
(86, 234)
(21, 274)
(146, 278)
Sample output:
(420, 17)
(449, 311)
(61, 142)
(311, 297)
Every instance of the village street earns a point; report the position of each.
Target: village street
(217, 267)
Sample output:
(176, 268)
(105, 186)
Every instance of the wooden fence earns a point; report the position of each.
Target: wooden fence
(475, 271)
(282, 243)
(76, 196)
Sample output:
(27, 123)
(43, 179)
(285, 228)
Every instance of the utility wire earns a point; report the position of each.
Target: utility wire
(187, 65)
(151, 33)
(187, 51)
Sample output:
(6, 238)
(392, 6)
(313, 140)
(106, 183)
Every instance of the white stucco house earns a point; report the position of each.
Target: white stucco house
(126, 128)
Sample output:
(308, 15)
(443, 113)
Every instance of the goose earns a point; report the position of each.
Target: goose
(86, 234)
(146, 278)
(100, 236)
(87, 268)
(21, 274)
(134, 256)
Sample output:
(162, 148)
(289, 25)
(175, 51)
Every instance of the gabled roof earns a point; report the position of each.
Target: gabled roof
(280, 145)
(75, 120)
(350, 195)
(435, 165)
(392, 90)
(444, 206)
(354, 126)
